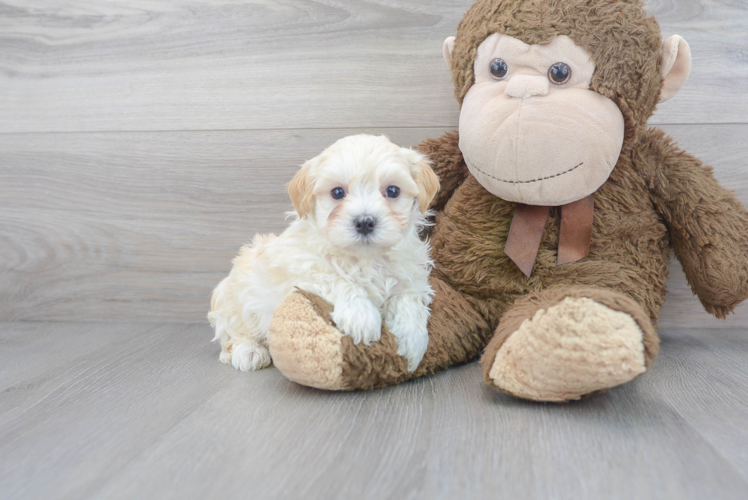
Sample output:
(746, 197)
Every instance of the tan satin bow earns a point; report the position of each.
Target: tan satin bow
(527, 227)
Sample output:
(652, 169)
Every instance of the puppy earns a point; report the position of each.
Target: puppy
(360, 206)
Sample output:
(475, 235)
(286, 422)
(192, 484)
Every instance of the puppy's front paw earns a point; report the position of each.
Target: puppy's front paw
(407, 318)
(412, 340)
(358, 319)
(248, 357)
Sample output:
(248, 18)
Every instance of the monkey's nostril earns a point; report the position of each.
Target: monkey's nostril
(364, 225)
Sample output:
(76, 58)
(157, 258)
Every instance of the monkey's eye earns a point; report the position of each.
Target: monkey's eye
(559, 73)
(338, 193)
(499, 69)
(392, 192)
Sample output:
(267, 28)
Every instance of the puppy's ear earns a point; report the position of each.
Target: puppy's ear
(426, 179)
(300, 189)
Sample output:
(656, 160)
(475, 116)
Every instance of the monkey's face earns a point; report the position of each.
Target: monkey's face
(531, 131)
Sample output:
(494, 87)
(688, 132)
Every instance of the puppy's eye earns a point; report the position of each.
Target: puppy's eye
(392, 192)
(338, 193)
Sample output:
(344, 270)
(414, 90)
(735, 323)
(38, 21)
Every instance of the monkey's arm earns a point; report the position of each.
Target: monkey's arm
(708, 226)
(447, 163)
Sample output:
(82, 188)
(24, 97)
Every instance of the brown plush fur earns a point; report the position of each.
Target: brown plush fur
(657, 198)
(708, 226)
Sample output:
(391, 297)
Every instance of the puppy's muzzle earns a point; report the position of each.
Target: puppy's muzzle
(364, 225)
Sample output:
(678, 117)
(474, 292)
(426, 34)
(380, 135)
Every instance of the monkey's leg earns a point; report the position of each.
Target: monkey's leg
(308, 349)
(566, 343)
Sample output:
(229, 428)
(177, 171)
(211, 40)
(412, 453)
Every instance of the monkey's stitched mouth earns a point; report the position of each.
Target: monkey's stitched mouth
(524, 182)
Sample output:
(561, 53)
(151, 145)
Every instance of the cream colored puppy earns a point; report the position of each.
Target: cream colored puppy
(355, 242)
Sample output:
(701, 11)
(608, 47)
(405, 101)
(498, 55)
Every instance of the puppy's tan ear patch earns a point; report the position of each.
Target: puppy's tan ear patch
(300, 189)
(426, 179)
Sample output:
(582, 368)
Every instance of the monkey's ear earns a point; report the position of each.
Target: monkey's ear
(300, 189)
(675, 57)
(449, 46)
(426, 179)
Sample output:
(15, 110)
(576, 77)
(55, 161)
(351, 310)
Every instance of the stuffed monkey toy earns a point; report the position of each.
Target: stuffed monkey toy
(557, 212)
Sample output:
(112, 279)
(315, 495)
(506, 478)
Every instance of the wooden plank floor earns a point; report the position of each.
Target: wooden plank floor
(91, 410)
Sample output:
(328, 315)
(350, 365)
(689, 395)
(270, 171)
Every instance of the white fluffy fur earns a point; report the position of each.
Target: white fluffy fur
(365, 278)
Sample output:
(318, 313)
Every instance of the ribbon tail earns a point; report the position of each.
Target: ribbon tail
(576, 230)
(525, 233)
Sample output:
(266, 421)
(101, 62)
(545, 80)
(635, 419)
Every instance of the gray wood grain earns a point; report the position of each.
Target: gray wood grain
(36, 357)
(265, 64)
(141, 226)
(151, 413)
(697, 374)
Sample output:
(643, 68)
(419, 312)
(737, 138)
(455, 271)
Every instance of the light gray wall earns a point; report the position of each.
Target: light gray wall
(140, 146)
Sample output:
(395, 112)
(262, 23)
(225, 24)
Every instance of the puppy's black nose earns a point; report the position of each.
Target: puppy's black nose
(364, 225)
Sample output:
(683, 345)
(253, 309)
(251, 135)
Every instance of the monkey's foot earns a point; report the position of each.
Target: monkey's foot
(304, 344)
(569, 345)
(307, 347)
